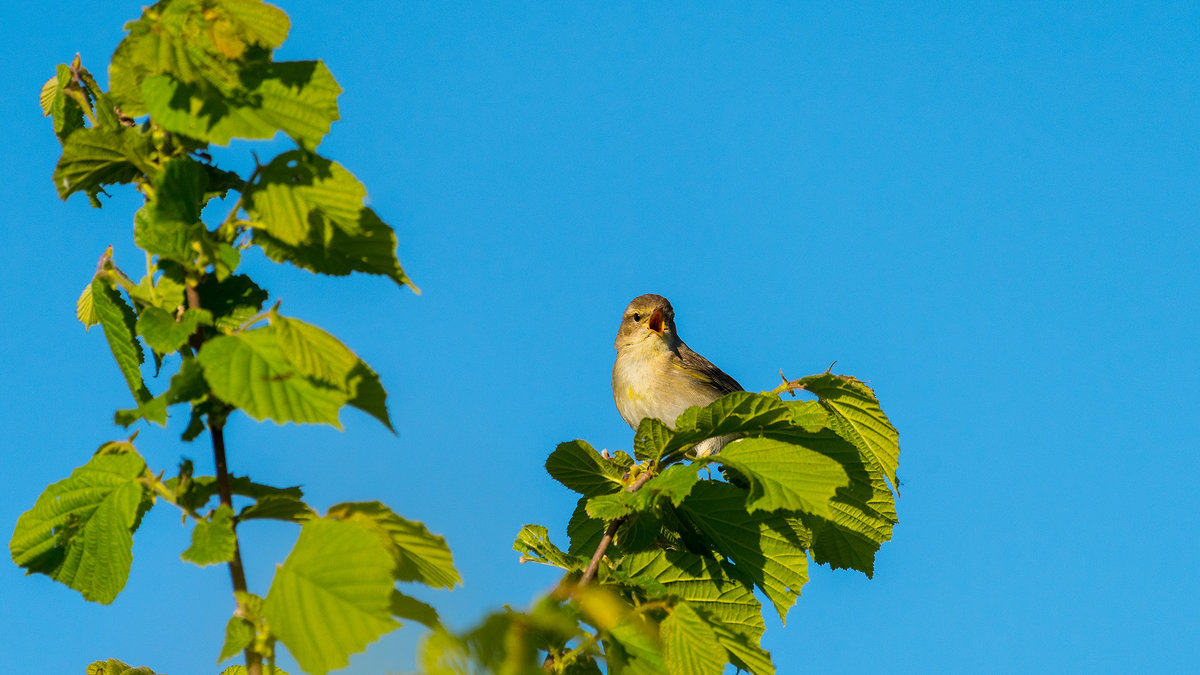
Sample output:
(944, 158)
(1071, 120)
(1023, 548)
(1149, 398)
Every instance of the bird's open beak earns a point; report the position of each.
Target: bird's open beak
(655, 323)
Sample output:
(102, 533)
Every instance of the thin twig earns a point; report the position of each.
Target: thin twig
(216, 429)
(590, 572)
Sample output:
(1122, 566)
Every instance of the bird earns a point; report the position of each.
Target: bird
(657, 375)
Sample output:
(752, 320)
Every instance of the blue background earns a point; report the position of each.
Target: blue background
(986, 210)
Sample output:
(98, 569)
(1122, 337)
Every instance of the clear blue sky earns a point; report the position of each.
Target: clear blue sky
(987, 210)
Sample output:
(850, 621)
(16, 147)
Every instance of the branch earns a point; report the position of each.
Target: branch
(590, 572)
(216, 429)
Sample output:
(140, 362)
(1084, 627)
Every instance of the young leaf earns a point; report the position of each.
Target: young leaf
(652, 437)
(250, 371)
(115, 667)
(163, 333)
(80, 530)
(239, 633)
(213, 540)
(785, 475)
(332, 595)
(579, 467)
(116, 317)
(533, 542)
(63, 110)
(635, 648)
(689, 645)
(855, 414)
(419, 555)
(85, 310)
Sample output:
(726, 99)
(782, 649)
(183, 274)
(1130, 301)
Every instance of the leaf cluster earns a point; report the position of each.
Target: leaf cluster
(682, 548)
(190, 74)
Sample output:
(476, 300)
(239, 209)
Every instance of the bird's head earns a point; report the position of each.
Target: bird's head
(648, 316)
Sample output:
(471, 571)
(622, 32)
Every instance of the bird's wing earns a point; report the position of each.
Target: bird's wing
(702, 369)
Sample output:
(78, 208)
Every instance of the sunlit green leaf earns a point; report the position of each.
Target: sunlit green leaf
(85, 310)
(239, 633)
(579, 467)
(80, 530)
(533, 542)
(250, 371)
(115, 667)
(406, 607)
(298, 98)
(784, 475)
(117, 319)
(689, 645)
(419, 555)
(95, 157)
(855, 414)
(332, 595)
(767, 547)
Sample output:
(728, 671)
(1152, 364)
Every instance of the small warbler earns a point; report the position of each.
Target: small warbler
(657, 375)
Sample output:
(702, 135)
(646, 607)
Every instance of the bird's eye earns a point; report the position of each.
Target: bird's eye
(637, 317)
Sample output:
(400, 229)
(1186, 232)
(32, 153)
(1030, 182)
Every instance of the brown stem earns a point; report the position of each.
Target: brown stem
(216, 429)
(594, 564)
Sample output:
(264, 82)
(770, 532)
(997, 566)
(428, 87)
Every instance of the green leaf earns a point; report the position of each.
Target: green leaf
(163, 333)
(186, 385)
(116, 317)
(855, 414)
(241, 670)
(419, 555)
(115, 667)
(533, 543)
(332, 595)
(767, 547)
(232, 301)
(309, 211)
(314, 352)
(95, 157)
(213, 540)
(406, 607)
(250, 371)
(257, 22)
(85, 310)
(170, 222)
(334, 251)
(651, 439)
(239, 633)
(739, 413)
(743, 651)
(298, 189)
(298, 98)
(634, 648)
(585, 532)
(80, 530)
(63, 110)
(705, 583)
(278, 507)
(367, 394)
(674, 484)
(579, 467)
(863, 513)
(689, 645)
(785, 475)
